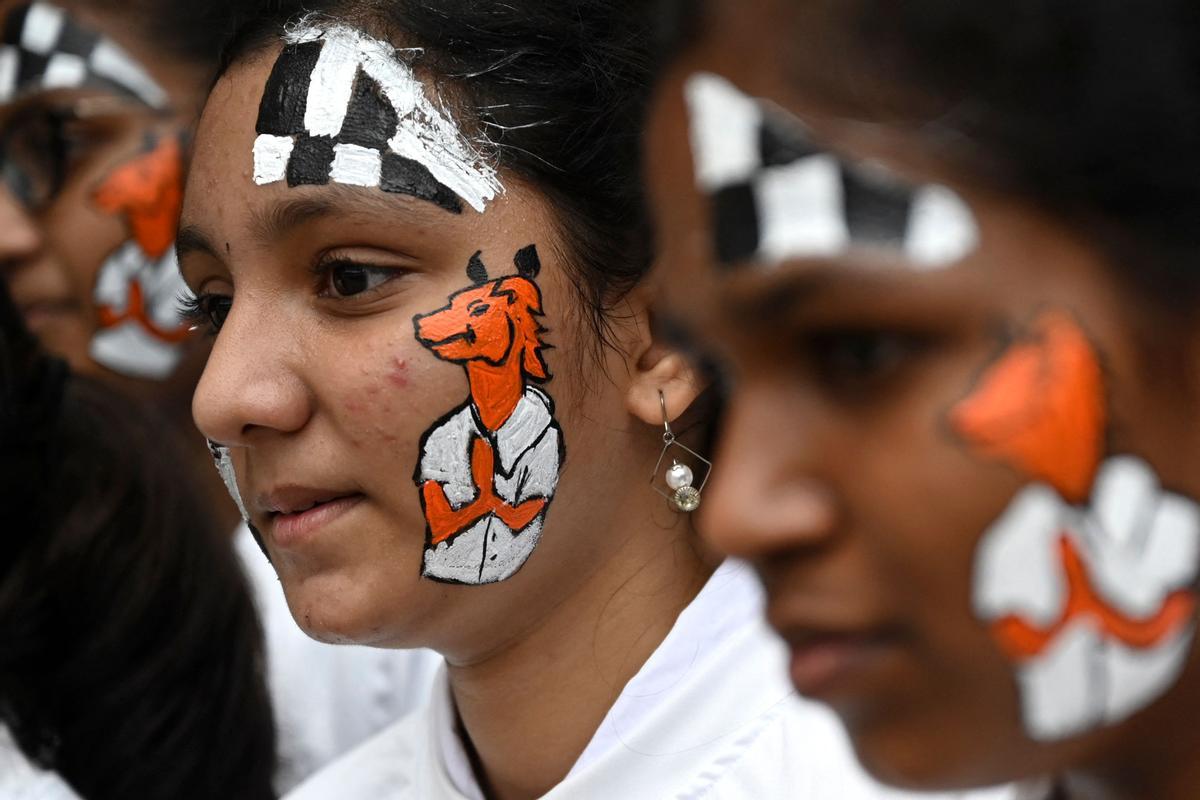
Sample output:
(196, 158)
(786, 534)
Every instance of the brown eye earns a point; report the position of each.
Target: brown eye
(216, 308)
(35, 151)
(857, 359)
(480, 310)
(347, 279)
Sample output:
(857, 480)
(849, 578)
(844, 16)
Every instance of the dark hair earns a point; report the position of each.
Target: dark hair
(190, 31)
(132, 661)
(1089, 110)
(559, 87)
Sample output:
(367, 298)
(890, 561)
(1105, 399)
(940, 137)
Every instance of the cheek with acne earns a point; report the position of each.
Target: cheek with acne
(398, 376)
(370, 406)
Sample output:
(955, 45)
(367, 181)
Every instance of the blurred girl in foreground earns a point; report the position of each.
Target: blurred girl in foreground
(946, 255)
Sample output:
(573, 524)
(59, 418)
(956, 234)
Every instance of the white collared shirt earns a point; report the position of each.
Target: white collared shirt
(710, 715)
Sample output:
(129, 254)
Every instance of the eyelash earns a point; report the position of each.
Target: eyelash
(199, 311)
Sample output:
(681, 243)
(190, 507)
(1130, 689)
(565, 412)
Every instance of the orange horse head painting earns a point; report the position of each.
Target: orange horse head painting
(492, 329)
(1041, 408)
(148, 193)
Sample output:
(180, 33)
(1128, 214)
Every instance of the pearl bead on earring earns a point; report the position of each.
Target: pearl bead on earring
(679, 476)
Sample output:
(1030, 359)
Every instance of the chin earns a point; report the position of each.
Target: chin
(339, 609)
(916, 757)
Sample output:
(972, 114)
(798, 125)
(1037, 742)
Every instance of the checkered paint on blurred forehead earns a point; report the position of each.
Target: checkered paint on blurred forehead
(44, 48)
(775, 195)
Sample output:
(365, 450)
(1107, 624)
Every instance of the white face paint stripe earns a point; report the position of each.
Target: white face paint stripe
(10, 58)
(43, 24)
(64, 71)
(1139, 545)
(111, 62)
(941, 228)
(127, 349)
(724, 131)
(798, 205)
(229, 477)
(356, 166)
(395, 78)
(332, 83)
(445, 160)
(51, 50)
(271, 155)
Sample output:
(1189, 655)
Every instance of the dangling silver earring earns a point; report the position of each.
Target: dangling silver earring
(679, 478)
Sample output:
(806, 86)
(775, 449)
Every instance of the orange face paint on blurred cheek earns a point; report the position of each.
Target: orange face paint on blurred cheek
(138, 286)
(1085, 580)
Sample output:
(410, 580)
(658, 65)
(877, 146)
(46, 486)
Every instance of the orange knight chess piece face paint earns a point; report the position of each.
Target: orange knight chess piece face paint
(1085, 581)
(138, 286)
(1041, 408)
(489, 469)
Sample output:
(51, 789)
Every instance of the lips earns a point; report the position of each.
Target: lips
(38, 313)
(296, 513)
(837, 655)
(823, 665)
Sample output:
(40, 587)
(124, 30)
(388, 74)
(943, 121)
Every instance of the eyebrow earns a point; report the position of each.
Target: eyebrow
(766, 305)
(191, 239)
(271, 225)
(276, 222)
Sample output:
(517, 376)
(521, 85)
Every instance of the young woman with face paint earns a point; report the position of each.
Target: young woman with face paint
(945, 255)
(416, 230)
(98, 100)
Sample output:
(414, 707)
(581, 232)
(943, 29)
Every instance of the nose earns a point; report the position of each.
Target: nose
(766, 495)
(20, 237)
(252, 384)
(439, 326)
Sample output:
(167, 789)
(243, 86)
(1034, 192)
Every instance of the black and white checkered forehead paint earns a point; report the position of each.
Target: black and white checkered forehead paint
(43, 48)
(342, 107)
(776, 196)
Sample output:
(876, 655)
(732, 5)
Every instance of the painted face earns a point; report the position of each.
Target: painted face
(92, 149)
(387, 327)
(946, 452)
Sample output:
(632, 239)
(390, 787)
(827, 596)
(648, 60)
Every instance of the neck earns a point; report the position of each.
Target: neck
(528, 711)
(495, 391)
